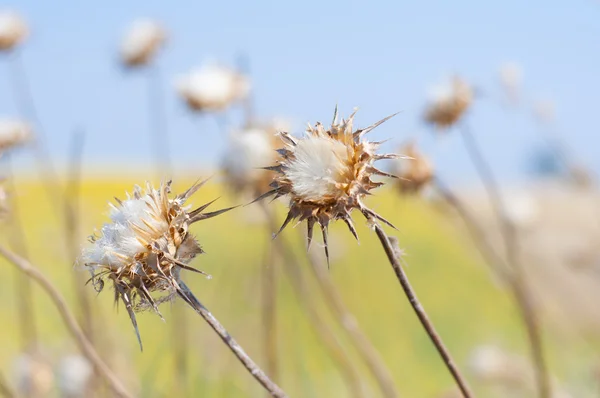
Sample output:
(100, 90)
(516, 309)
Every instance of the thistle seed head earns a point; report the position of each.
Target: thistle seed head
(145, 247)
(414, 171)
(327, 174)
(13, 133)
(449, 103)
(248, 152)
(141, 42)
(13, 30)
(511, 75)
(212, 88)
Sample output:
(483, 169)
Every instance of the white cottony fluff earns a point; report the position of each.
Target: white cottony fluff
(318, 167)
(247, 152)
(74, 374)
(13, 133)
(142, 40)
(212, 87)
(13, 29)
(119, 239)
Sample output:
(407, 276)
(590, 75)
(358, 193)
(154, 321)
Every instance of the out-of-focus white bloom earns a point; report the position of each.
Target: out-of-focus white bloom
(34, 377)
(511, 76)
(13, 30)
(522, 210)
(13, 133)
(544, 110)
(212, 88)
(493, 365)
(74, 373)
(448, 102)
(248, 152)
(141, 42)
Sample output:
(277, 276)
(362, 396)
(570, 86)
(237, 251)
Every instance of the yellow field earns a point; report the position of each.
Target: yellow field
(466, 306)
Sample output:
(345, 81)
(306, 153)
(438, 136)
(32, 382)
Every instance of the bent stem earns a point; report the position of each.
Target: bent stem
(517, 278)
(419, 310)
(186, 294)
(69, 319)
(346, 319)
(292, 268)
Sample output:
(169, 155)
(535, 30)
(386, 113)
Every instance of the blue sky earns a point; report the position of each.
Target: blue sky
(306, 57)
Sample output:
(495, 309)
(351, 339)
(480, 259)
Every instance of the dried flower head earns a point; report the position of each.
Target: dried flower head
(4, 202)
(13, 30)
(414, 171)
(449, 103)
(491, 364)
(248, 151)
(145, 247)
(212, 88)
(327, 174)
(33, 374)
(74, 375)
(13, 133)
(141, 42)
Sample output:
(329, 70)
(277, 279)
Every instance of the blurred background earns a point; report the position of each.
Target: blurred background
(500, 99)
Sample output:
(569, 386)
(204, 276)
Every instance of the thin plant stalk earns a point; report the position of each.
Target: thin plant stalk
(25, 104)
(292, 268)
(159, 137)
(420, 311)
(269, 313)
(186, 294)
(24, 293)
(346, 319)
(5, 390)
(70, 321)
(518, 283)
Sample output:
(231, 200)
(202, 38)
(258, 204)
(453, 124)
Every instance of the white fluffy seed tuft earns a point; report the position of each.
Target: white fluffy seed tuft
(142, 41)
(13, 30)
(317, 169)
(247, 152)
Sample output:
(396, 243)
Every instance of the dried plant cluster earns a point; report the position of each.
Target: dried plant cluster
(13, 133)
(414, 171)
(212, 88)
(142, 42)
(145, 247)
(327, 173)
(449, 103)
(248, 151)
(13, 30)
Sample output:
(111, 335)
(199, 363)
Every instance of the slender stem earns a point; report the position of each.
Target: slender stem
(346, 319)
(292, 268)
(69, 319)
(26, 106)
(237, 350)
(24, 293)
(420, 311)
(5, 389)
(519, 285)
(159, 137)
(269, 306)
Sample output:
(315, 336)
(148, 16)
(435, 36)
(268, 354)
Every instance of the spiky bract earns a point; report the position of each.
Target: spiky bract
(145, 247)
(327, 174)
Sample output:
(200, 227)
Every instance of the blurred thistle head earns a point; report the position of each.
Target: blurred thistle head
(544, 110)
(13, 133)
(248, 151)
(511, 75)
(493, 365)
(33, 374)
(141, 42)
(327, 173)
(13, 30)
(145, 247)
(212, 88)
(4, 202)
(414, 170)
(74, 375)
(448, 103)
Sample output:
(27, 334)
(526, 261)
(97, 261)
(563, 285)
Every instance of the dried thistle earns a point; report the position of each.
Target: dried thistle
(415, 170)
(449, 103)
(327, 174)
(212, 88)
(145, 247)
(511, 75)
(141, 42)
(13, 133)
(13, 30)
(248, 151)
